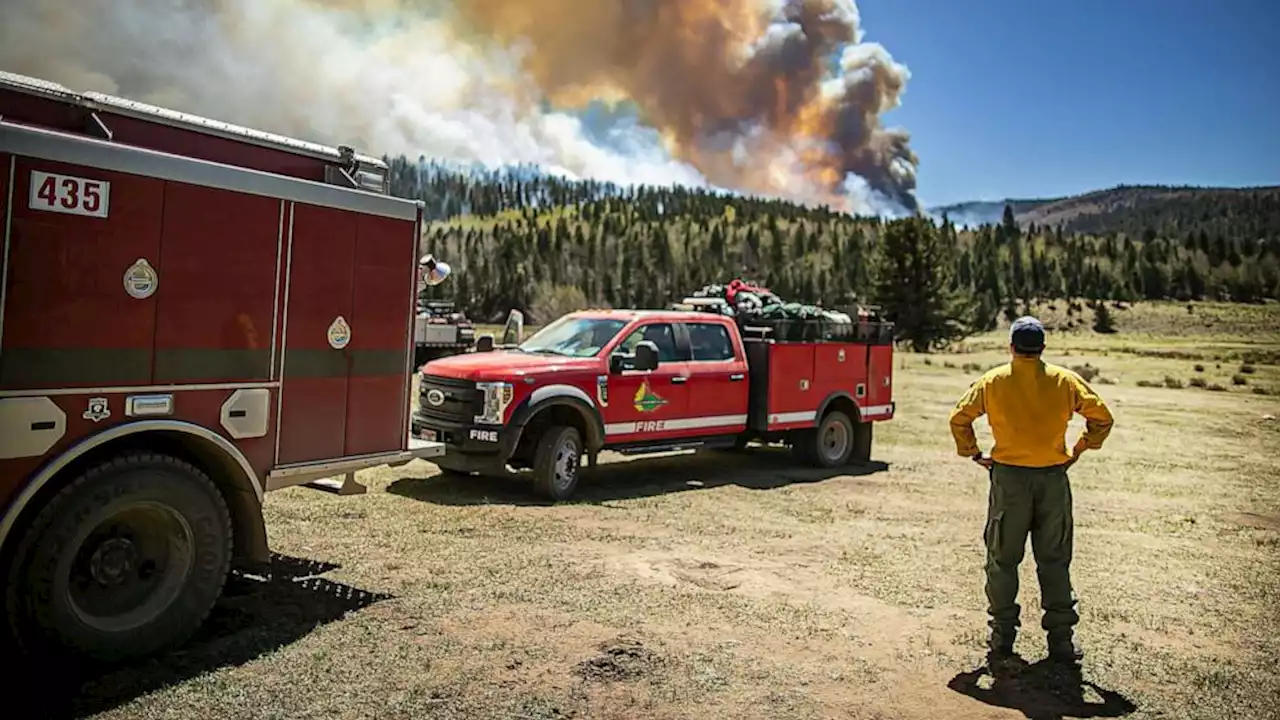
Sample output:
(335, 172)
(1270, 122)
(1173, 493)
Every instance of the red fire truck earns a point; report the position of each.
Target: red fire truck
(639, 381)
(192, 314)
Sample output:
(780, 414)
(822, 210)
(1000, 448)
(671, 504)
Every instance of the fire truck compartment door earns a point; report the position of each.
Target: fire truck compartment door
(81, 276)
(344, 389)
(317, 330)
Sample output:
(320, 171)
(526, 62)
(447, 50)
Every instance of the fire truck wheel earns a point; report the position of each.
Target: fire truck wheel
(556, 462)
(127, 560)
(832, 444)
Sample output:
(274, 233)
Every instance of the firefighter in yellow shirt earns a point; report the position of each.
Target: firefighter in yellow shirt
(1028, 404)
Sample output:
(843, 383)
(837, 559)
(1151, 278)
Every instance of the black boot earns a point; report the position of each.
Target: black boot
(1000, 645)
(1064, 648)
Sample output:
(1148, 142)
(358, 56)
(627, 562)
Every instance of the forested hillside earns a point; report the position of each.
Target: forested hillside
(1135, 209)
(516, 237)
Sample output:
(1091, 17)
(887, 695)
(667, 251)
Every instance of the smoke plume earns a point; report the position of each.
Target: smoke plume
(774, 97)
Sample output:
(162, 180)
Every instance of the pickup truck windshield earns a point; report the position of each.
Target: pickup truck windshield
(573, 337)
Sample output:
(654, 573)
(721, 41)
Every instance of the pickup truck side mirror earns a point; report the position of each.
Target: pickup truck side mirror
(645, 357)
(513, 331)
(484, 343)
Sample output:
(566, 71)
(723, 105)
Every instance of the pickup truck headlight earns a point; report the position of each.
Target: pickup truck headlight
(497, 397)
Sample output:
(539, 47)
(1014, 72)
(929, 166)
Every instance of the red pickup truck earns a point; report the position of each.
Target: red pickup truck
(646, 381)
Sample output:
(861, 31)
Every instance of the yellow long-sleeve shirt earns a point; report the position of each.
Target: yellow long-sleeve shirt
(1028, 404)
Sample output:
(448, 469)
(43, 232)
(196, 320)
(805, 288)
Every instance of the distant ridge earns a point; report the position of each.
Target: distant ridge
(1113, 209)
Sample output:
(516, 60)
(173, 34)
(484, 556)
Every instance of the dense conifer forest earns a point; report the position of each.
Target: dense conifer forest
(519, 238)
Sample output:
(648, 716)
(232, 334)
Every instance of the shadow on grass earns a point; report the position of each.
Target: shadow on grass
(754, 469)
(254, 616)
(1042, 691)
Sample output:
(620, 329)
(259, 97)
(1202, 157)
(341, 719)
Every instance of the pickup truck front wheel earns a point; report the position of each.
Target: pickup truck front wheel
(556, 462)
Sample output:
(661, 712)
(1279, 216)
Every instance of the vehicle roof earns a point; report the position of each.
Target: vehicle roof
(174, 118)
(671, 315)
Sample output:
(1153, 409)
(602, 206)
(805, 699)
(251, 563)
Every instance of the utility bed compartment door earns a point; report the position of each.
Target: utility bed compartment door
(879, 400)
(841, 368)
(83, 247)
(793, 401)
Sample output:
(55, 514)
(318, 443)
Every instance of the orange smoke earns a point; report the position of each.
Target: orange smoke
(780, 101)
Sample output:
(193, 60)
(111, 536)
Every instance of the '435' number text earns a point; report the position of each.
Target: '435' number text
(67, 194)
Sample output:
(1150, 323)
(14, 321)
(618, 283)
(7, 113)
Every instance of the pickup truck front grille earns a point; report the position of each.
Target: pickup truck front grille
(459, 400)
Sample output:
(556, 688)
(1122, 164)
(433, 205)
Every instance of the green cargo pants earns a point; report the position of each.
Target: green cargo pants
(1035, 501)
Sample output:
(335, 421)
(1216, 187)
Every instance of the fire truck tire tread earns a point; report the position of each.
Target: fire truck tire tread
(558, 449)
(43, 625)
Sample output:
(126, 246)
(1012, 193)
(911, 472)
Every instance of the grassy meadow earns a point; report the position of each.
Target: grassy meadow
(715, 585)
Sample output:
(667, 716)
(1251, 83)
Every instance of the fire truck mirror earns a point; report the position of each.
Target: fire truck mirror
(484, 343)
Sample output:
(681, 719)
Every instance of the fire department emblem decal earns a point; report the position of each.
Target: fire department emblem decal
(602, 390)
(140, 280)
(97, 410)
(339, 333)
(646, 400)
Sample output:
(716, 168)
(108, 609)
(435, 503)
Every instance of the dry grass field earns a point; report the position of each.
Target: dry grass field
(722, 586)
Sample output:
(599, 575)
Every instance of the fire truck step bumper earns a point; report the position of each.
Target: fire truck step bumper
(346, 486)
(323, 475)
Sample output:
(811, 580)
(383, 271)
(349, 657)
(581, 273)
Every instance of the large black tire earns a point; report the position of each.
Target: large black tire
(127, 560)
(557, 461)
(829, 445)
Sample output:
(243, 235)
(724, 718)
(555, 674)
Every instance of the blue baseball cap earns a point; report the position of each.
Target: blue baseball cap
(1027, 334)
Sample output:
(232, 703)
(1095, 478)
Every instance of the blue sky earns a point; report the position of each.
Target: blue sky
(1031, 98)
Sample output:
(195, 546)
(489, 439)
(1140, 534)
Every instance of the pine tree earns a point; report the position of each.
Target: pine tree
(913, 284)
(1102, 320)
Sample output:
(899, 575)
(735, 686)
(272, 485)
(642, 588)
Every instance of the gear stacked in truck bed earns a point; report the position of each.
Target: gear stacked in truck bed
(754, 306)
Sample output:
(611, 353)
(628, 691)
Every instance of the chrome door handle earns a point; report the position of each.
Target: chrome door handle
(736, 377)
(679, 379)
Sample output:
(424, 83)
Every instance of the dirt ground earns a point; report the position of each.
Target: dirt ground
(721, 586)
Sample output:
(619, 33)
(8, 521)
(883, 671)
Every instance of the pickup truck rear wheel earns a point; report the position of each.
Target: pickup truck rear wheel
(556, 462)
(832, 443)
(126, 560)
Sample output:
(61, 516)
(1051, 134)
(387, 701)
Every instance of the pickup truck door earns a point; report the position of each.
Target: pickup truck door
(718, 381)
(647, 405)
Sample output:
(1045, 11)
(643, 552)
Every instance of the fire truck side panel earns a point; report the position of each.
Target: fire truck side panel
(318, 302)
(203, 407)
(382, 309)
(217, 277)
(880, 383)
(68, 321)
(840, 368)
(793, 401)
